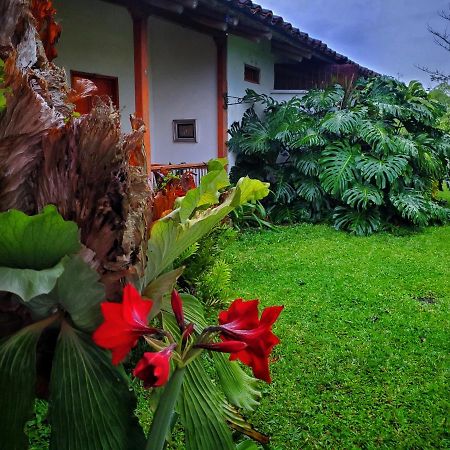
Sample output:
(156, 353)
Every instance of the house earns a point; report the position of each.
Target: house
(184, 65)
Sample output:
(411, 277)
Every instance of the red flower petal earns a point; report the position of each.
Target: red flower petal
(270, 315)
(124, 323)
(241, 323)
(154, 368)
(177, 307)
(135, 308)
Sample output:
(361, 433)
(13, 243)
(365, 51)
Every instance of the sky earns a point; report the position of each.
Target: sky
(388, 36)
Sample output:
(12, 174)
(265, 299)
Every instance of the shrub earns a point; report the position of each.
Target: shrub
(363, 157)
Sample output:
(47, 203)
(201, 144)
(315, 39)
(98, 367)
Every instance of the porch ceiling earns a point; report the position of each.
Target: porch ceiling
(242, 18)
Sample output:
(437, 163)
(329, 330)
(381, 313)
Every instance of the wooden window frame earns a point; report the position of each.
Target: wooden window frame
(89, 76)
(178, 139)
(255, 70)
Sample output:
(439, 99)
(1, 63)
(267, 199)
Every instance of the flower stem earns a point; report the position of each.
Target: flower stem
(165, 410)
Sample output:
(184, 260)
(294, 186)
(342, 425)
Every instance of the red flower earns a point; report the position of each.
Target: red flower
(241, 322)
(154, 368)
(124, 323)
(177, 307)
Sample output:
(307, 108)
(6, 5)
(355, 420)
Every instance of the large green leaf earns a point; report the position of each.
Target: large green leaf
(208, 191)
(362, 195)
(170, 238)
(201, 411)
(28, 283)
(78, 291)
(339, 168)
(412, 206)
(342, 122)
(17, 384)
(359, 222)
(36, 242)
(384, 170)
(91, 404)
(240, 389)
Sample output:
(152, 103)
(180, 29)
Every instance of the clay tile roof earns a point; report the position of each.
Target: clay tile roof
(267, 17)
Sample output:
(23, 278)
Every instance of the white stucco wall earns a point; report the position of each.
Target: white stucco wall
(283, 96)
(97, 37)
(241, 52)
(183, 86)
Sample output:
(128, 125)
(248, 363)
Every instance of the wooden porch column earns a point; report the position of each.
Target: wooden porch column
(141, 80)
(222, 90)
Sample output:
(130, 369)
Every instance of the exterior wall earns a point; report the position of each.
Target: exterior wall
(241, 52)
(97, 37)
(183, 74)
(282, 96)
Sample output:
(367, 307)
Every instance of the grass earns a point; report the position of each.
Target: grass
(364, 358)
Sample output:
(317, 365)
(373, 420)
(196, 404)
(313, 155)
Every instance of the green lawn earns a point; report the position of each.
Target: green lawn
(364, 359)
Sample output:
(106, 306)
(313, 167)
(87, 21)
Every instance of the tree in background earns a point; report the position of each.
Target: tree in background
(441, 38)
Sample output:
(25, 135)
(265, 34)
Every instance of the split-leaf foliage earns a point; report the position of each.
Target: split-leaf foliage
(364, 157)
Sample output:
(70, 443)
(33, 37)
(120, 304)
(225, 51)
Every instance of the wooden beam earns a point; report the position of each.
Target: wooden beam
(290, 49)
(216, 24)
(141, 79)
(222, 87)
(191, 4)
(166, 5)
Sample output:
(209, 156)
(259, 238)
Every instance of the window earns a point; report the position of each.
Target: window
(185, 130)
(106, 87)
(252, 74)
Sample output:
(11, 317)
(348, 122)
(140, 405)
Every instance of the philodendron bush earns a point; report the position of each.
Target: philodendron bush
(59, 354)
(365, 157)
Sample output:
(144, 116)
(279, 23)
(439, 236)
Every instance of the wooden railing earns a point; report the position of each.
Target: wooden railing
(197, 169)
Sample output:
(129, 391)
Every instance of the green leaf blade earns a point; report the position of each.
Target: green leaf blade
(88, 391)
(36, 242)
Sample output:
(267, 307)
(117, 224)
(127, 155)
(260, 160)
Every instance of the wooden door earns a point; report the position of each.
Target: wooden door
(107, 86)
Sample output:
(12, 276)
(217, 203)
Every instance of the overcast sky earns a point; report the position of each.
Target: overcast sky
(389, 36)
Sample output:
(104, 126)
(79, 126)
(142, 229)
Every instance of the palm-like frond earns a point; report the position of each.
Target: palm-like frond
(384, 170)
(361, 223)
(338, 166)
(363, 195)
